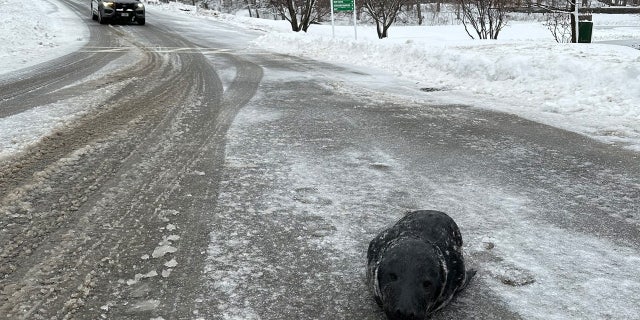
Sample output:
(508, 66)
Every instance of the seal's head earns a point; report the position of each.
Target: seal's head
(410, 277)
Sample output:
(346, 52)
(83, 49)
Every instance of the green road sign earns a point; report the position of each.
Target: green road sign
(342, 5)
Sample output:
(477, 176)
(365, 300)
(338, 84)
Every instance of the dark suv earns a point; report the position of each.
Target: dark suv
(117, 11)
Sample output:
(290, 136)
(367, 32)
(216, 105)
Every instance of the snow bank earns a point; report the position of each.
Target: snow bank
(593, 89)
(50, 30)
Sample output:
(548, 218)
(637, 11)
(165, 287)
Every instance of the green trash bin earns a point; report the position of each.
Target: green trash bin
(585, 28)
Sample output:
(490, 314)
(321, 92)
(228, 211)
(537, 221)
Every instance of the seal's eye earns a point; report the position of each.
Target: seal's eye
(393, 276)
(426, 284)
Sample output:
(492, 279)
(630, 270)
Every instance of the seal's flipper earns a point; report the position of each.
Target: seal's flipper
(470, 274)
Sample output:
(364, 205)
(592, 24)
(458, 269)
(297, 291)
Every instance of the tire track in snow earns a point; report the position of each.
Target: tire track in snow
(139, 176)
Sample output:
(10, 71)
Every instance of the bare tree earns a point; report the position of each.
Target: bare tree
(563, 7)
(303, 13)
(486, 17)
(419, 11)
(384, 13)
(560, 26)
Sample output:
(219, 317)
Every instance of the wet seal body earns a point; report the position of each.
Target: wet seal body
(416, 266)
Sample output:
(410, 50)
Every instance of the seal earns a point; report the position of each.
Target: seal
(415, 267)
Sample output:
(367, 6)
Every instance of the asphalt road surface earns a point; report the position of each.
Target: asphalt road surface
(216, 181)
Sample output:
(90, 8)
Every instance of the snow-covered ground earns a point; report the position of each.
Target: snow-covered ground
(50, 31)
(36, 32)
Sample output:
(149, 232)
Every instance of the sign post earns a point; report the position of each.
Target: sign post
(343, 5)
(355, 30)
(577, 26)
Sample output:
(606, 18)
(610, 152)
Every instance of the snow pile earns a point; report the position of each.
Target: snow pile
(46, 31)
(592, 89)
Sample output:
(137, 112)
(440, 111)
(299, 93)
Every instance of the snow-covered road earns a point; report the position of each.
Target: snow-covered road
(549, 220)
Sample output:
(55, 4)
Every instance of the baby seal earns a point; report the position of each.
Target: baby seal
(416, 266)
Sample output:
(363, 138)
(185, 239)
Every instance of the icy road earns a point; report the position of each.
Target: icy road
(208, 179)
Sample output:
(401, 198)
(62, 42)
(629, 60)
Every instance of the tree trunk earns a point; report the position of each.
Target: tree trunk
(306, 15)
(293, 16)
(385, 32)
(385, 27)
(572, 7)
(379, 30)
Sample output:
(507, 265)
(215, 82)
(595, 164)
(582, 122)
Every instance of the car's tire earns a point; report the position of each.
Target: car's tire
(141, 22)
(101, 19)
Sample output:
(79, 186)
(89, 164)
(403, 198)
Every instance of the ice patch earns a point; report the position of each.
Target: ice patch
(165, 246)
(140, 276)
(173, 237)
(240, 314)
(171, 263)
(147, 305)
(162, 250)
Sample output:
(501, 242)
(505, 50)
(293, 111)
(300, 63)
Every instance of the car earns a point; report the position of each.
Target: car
(118, 11)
